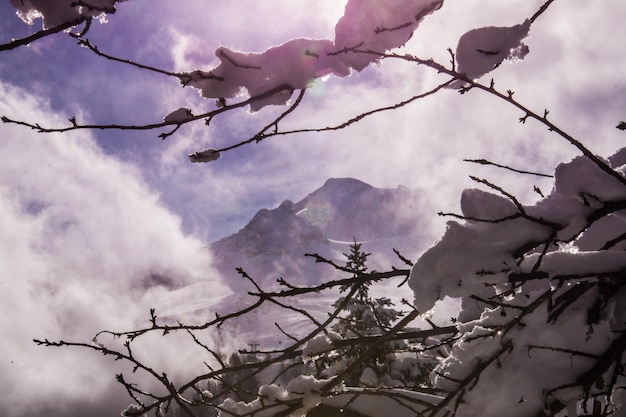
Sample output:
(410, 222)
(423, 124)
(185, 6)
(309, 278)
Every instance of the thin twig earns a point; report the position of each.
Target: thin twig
(15, 43)
(519, 171)
(184, 78)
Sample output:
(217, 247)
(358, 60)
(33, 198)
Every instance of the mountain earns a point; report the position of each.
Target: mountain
(272, 232)
(325, 222)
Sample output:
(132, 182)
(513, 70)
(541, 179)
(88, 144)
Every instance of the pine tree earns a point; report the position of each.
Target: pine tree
(396, 363)
(364, 316)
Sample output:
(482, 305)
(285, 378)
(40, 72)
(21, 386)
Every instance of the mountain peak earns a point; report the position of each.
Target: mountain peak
(272, 231)
(345, 184)
(286, 205)
(347, 208)
(342, 209)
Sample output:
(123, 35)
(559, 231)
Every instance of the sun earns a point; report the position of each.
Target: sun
(330, 11)
(333, 9)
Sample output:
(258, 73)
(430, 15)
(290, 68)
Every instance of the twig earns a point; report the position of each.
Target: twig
(262, 133)
(342, 125)
(541, 10)
(41, 34)
(76, 126)
(486, 162)
(184, 78)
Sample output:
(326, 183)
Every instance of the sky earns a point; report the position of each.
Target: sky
(90, 218)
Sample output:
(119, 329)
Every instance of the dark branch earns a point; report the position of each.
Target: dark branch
(15, 43)
(486, 162)
(184, 78)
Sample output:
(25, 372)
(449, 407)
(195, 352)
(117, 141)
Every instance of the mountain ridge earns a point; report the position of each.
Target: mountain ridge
(273, 243)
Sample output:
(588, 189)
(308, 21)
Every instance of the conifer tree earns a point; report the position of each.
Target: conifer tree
(394, 364)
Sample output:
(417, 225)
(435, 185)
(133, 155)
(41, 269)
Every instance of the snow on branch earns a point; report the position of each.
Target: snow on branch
(498, 229)
(542, 325)
(377, 25)
(58, 16)
(482, 50)
(58, 12)
(553, 286)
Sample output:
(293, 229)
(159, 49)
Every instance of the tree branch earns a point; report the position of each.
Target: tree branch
(15, 43)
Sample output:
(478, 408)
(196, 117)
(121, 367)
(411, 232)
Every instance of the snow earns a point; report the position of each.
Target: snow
(206, 155)
(384, 402)
(469, 259)
(295, 64)
(366, 25)
(522, 375)
(621, 412)
(179, 115)
(479, 51)
(476, 257)
(369, 378)
(579, 264)
(131, 410)
(320, 344)
(272, 399)
(56, 12)
(379, 26)
(372, 403)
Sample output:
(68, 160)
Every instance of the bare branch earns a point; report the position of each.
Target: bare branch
(541, 10)
(262, 133)
(15, 43)
(184, 78)
(351, 121)
(76, 126)
(486, 162)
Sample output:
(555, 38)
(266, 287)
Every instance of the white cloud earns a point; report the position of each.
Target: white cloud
(83, 237)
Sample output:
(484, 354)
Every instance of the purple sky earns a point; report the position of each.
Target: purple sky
(86, 215)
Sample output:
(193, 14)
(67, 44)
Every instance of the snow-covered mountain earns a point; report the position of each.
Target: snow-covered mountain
(325, 222)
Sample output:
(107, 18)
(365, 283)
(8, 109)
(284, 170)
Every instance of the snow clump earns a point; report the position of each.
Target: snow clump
(206, 155)
(304, 392)
(471, 257)
(57, 12)
(480, 51)
(320, 344)
(180, 115)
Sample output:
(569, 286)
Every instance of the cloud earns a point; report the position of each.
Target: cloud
(86, 246)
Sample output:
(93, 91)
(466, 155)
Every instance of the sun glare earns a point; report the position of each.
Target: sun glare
(330, 12)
